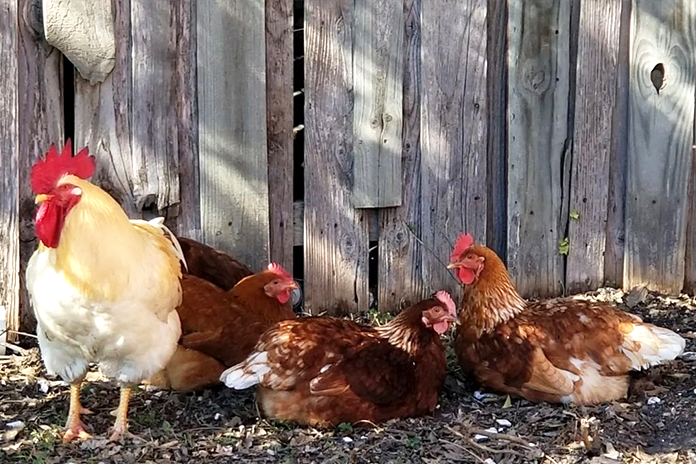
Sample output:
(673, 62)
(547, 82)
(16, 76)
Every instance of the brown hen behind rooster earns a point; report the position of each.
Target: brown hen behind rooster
(219, 329)
(561, 350)
(212, 265)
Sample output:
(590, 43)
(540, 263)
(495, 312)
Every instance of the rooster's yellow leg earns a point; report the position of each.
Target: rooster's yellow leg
(75, 428)
(121, 424)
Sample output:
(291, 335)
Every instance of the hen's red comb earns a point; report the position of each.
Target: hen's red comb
(47, 171)
(279, 270)
(463, 243)
(445, 298)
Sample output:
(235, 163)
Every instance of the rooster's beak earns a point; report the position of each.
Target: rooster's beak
(452, 266)
(41, 198)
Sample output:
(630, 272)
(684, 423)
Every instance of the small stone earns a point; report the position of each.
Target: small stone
(636, 296)
(347, 440)
(654, 400)
(504, 422)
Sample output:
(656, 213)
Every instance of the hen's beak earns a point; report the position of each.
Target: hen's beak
(41, 198)
(452, 265)
(292, 285)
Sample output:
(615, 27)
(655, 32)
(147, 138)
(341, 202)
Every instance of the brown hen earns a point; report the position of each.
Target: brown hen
(323, 371)
(212, 265)
(219, 329)
(562, 350)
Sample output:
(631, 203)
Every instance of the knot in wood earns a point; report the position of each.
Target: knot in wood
(658, 77)
(536, 77)
(33, 18)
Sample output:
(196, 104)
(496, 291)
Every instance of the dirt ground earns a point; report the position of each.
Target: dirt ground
(656, 423)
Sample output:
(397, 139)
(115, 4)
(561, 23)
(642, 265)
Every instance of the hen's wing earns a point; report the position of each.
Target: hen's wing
(295, 351)
(376, 371)
(544, 351)
(212, 265)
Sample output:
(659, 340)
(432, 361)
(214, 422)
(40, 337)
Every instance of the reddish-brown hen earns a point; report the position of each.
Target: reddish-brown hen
(561, 350)
(212, 265)
(219, 329)
(323, 371)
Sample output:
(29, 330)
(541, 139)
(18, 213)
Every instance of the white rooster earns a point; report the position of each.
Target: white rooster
(104, 289)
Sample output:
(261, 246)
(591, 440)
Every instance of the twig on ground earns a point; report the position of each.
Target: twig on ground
(503, 436)
(463, 448)
(25, 334)
(15, 348)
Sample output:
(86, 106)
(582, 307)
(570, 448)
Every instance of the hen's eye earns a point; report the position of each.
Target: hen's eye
(437, 309)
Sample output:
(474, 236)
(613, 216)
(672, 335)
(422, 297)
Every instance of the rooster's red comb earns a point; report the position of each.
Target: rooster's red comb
(47, 171)
(279, 270)
(463, 243)
(445, 298)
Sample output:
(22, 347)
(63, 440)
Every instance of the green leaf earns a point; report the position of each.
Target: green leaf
(564, 246)
(345, 427)
(574, 215)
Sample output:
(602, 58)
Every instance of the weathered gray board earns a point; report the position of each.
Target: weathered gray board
(127, 121)
(595, 100)
(40, 113)
(453, 132)
(661, 134)
(9, 164)
(399, 260)
(233, 157)
(279, 110)
(378, 81)
(539, 80)
(336, 234)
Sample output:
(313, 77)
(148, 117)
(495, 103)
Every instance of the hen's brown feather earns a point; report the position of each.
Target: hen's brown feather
(324, 371)
(559, 350)
(220, 328)
(212, 265)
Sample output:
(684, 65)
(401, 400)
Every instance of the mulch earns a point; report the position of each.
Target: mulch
(656, 423)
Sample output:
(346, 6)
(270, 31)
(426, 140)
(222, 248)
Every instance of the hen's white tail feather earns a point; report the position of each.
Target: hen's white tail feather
(247, 373)
(648, 345)
(159, 224)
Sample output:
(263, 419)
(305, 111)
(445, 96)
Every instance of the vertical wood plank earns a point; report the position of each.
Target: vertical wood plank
(189, 221)
(661, 126)
(154, 137)
(9, 167)
(279, 114)
(103, 119)
(690, 257)
(40, 122)
(595, 99)
(539, 81)
(128, 120)
(378, 77)
(453, 131)
(496, 227)
(233, 157)
(616, 216)
(336, 235)
(399, 253)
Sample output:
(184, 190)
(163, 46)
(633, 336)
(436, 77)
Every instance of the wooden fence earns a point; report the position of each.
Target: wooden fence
(559, 132)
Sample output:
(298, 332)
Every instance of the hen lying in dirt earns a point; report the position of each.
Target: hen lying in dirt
(561, 350)
(323, 371)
